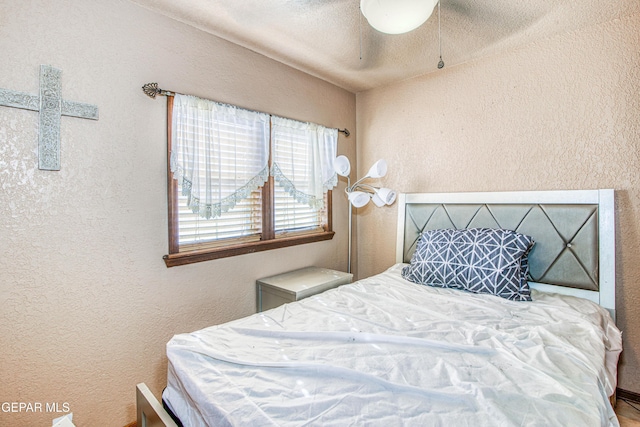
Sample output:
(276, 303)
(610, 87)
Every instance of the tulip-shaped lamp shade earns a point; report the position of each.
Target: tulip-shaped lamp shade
(342, 166)
(397, 16)
(359, 198)
(378, 170)
(387, 195)
(377, 200)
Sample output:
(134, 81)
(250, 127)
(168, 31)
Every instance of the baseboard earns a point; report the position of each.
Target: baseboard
(628, 395)
(133, 424)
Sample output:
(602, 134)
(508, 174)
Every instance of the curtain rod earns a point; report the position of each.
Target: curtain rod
(152, 89)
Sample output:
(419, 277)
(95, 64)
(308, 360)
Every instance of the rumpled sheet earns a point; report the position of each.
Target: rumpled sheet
(387, 352)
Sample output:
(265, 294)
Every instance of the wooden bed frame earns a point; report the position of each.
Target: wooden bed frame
(589, 245)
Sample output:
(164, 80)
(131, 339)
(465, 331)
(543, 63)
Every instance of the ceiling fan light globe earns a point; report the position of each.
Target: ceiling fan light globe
(397, 16)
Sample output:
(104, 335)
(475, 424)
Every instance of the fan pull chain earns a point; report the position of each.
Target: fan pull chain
(441, 62)
(360, 29)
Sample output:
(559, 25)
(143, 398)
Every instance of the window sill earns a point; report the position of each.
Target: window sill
(173, 260)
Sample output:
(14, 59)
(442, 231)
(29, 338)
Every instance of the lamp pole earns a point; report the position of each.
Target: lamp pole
(350, 231)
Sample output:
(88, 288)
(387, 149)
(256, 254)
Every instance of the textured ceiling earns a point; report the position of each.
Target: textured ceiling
(329, 38)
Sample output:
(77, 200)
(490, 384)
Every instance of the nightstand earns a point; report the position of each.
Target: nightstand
(294, 285)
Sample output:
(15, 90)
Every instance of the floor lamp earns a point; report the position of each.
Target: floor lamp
(360, 193)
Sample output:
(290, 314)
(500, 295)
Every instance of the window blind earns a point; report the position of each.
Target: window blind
(293, 216)
(244, 221)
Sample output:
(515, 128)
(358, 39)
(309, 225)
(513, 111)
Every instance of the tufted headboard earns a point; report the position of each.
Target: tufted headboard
(574, 231)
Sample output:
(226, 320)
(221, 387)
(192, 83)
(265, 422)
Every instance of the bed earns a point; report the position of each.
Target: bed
(389, 350)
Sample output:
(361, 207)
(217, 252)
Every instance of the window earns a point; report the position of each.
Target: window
(242, 181)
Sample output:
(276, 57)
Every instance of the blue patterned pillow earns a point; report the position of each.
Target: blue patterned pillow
(479, 260)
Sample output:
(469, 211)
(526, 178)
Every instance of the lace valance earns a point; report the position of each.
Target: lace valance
(219, 153)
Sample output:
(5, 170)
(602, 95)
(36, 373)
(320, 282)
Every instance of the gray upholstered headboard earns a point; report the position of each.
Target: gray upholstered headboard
(574, 233)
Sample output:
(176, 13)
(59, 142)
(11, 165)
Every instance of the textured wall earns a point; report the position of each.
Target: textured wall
(563, 113)
(87, 303)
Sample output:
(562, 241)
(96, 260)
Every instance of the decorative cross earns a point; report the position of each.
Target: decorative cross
(51, 107)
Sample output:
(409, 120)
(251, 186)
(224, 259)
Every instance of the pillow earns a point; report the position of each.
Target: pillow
(479, 260)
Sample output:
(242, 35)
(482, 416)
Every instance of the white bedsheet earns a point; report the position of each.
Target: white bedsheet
(387, 352)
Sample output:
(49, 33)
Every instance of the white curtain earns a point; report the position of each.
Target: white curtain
(302, 156)
(219, 153)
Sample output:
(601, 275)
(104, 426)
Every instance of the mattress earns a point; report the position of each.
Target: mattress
(385, 351)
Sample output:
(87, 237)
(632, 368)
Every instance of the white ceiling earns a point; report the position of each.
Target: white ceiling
(322, 37)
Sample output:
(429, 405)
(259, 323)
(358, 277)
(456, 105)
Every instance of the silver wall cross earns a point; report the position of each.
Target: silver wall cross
(51, 107)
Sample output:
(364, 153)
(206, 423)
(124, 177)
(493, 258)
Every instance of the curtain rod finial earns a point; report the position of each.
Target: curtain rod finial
(151, 89)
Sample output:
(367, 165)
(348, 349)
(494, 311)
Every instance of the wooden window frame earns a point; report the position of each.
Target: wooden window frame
(268, 240)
